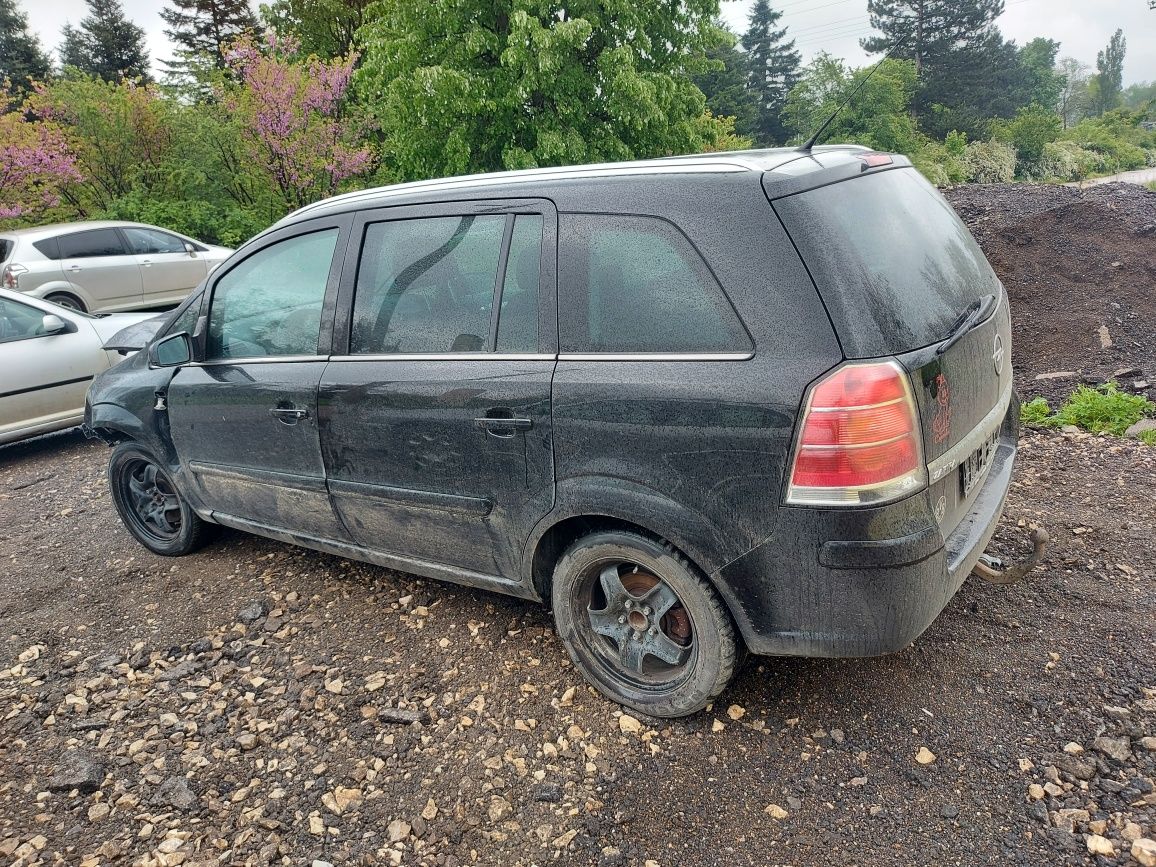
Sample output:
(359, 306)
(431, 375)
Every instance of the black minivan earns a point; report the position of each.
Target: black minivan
(757, 401)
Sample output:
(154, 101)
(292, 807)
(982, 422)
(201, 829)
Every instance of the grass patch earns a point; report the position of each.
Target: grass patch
(1151, 185)
(1104, 408)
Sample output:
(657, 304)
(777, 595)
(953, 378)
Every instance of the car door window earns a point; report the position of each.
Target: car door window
(150, 241)
(91, 244)
(636, 285)
(518, 316)
(427, 285)
(270, 303)
(19, 321)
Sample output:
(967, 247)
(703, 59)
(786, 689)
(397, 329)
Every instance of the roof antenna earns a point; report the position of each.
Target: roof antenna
(813, 140)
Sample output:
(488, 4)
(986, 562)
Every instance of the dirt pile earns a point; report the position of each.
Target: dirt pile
(1080, 269)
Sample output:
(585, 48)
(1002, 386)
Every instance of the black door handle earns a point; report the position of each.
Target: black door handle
(501, 423)
(288, 414)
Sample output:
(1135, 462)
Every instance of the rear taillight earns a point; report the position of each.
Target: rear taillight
(859, 439)
(10, 276)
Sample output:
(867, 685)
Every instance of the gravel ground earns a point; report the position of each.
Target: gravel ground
(258, 704)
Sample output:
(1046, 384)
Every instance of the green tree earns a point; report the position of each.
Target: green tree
(1110, 73)
(481, 85)
(879, 117)
(106, 44)
(1140, 94)
(1073, 103)
(22, 60)
(925, 31)
(774, 70)
(1042, 83)
(969, 87)
(202, 31)
(725, 82)
(327, 28)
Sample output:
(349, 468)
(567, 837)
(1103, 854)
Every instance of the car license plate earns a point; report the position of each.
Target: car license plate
(973, 470)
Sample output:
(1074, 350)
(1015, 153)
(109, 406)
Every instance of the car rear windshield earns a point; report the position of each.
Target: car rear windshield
(894, 264)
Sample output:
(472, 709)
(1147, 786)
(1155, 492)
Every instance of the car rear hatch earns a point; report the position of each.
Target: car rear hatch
(901, 277)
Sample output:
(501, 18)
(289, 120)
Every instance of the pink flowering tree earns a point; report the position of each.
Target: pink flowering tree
(290, 115)
(35, 166)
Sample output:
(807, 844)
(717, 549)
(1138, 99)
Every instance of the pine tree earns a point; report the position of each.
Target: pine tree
(774, 70)
(202, 30)
(1110, 68)
(106, 44)
(726, 84)
(21, 58)
(927, 30)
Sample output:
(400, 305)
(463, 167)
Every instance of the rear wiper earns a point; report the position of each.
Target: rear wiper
(976, 311)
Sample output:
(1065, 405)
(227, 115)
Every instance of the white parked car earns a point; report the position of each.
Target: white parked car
(48, 357)
(100, 267)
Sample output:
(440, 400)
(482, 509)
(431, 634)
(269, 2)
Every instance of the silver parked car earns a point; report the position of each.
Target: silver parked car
(105, 266)
(48, 357)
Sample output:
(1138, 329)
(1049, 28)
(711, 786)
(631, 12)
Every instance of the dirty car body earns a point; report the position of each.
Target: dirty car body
(758, 399)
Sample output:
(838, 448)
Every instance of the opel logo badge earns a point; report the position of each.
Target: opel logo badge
(997, 355)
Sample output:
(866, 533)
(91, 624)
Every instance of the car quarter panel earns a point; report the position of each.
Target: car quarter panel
(709, 434)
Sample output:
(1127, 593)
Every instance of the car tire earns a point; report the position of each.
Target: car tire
(149, 505)
(643, 624)
(69, 301)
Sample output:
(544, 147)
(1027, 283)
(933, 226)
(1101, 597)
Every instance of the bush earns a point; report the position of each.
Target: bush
(1103, 409)
(1117, 137)
(1067, 161)
(989, 162)
(1032, 130)
(938, 164)
(1036, 413)
(225, 223)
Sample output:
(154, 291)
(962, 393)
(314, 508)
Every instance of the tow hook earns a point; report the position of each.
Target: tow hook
(988, 568)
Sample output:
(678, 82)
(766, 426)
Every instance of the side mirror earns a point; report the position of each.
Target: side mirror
(53, 324)
(190, 249)
(173, 351)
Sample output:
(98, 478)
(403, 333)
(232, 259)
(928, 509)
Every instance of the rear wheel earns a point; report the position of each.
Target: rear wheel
(69, 301)
(149, 504)
(642, 624)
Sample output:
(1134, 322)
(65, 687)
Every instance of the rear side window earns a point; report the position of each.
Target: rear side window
(95, 243)
(636, 285)
(894, 264)
(427, 285)
(518, 318)
(6, 246)
(49, 248)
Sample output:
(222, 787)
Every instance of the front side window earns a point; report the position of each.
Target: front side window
(426, 285)
(635, 285)
(19, 321)
(92, 244)
(270, 304)
(149, 241)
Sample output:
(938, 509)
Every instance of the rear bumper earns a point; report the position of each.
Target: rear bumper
(872, 594)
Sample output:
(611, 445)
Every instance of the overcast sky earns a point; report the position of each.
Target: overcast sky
(1083, 27)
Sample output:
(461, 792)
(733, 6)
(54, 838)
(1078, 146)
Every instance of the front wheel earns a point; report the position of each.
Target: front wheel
(642, 624)
(149, 504)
